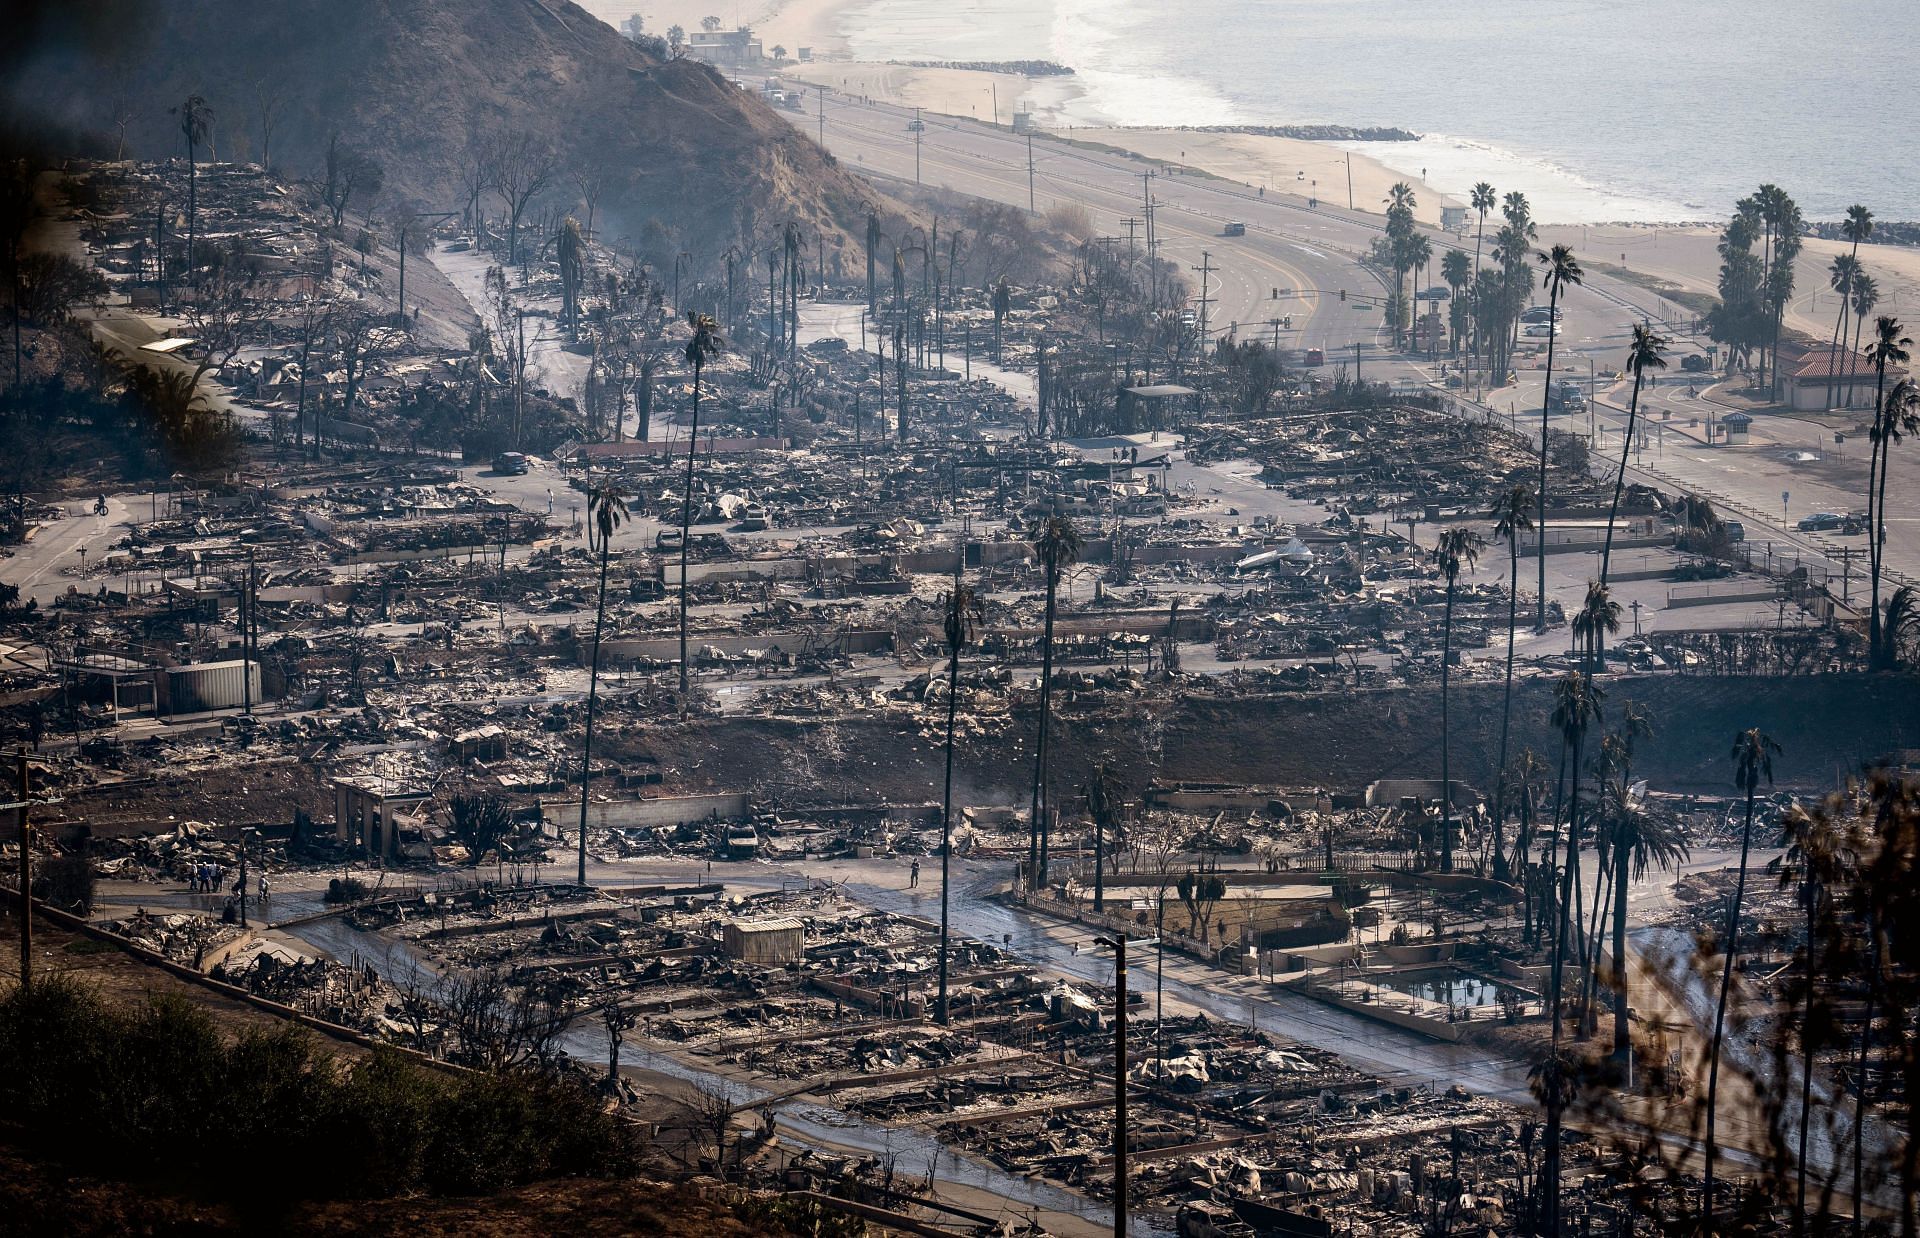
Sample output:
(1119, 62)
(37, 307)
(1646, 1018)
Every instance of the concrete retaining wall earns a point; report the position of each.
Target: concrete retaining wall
(646, 814)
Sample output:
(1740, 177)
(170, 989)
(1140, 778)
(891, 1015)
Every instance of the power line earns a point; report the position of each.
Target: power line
(1030, 205)
(1206, 273)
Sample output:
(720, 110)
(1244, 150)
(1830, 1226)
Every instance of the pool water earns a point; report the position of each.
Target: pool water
(1449, 988)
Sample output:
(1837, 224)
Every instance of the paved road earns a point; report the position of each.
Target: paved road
(1310, 255)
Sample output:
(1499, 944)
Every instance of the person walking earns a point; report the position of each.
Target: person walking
(913, 876)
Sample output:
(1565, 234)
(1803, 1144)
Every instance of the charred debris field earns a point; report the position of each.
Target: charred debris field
(566, 660)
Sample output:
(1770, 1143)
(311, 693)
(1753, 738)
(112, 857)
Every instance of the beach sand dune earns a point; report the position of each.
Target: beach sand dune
(1282, 165)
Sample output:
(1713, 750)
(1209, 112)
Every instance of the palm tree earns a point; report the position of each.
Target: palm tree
(606, 511)
(1482, 201)
(1561, 270)
(1638, 841)
(1415, 251)
(1753, 753)
(1512, 516)
(1457, 271)
(1524, 778)
(1817, 859)
(1458, 549)
(873, 246)
(1900, 418)
(1783, 222)
(1857, 228)
(196, 121)
(703, 343)
(1700, 524)
(1866, 297)
(1577, 707)
(1057, 544)
(963, 617)
(1901, 624)
(1645, 353)
(1597, 619)
(1400, 234)
(1889, 348)
(570, 251)
(1840, 277)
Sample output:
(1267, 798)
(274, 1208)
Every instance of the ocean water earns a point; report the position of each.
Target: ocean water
(1600, 110)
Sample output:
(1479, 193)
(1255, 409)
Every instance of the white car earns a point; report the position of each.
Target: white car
(1542, 330)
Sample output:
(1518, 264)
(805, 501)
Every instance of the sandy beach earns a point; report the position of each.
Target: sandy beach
(1684, 254)
(1281, 165)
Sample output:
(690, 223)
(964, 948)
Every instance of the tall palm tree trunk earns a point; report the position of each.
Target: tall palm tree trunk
(1540, 513)
(1446, 739)
(1876, 528)
(1620, 478)
(1041, 809)
(593, 693)
(946, 814)
(1879, 525)
(1551, 1172)
(1622, 1032)
(1473, 320)
(1860, 1081)
(1839, 339)
(1506, 706)
(686, 530)
(1590, 946)
(1853, 355)
(1720, 1007)
(1811, 894)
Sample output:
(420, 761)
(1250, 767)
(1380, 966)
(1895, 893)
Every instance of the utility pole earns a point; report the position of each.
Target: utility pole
(1031, 209)
(956, 633)
(1131, 223)
(822, 96)
(1206, 275)
(900, 373)
(243, 876)
(1349, 180)
(1119, 944)
(919, 128)
(1153, 241)
(1356, 363)
(1120, 1087)
(246, 644)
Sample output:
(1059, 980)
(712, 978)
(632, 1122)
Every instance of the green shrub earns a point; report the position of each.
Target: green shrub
(160, 1093)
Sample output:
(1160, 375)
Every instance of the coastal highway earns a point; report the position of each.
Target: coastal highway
(1308, 256)
(1311, 254)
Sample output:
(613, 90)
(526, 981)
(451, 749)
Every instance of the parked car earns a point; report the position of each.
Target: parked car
(1821, 522)
(1695, 363)
(510, 464)
(1544, 330)
(1543, 313)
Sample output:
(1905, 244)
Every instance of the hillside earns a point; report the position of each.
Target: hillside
(411, 82)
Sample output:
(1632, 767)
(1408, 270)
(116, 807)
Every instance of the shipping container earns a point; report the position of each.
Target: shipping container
(211, 685)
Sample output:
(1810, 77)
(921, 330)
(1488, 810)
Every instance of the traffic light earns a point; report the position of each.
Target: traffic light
(1343, 294)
